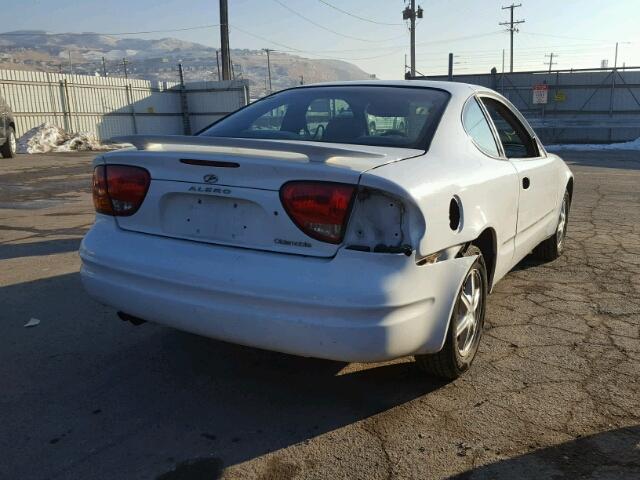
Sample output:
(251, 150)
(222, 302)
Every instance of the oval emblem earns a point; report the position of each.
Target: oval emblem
(211, 178)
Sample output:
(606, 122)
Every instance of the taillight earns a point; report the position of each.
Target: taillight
(119, 190)
(319, 209)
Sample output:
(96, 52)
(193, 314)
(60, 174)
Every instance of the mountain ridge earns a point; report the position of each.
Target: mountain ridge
(157, 59)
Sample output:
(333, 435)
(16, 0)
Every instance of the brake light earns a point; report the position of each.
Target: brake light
(319, 209)
(119, 190)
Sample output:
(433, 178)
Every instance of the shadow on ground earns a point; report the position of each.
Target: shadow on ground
(34, 249)
(584, 458)
(88, 394)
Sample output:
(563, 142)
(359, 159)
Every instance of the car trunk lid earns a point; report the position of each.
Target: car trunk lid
(226, 191)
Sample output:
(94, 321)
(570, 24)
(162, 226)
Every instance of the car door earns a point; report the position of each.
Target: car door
(537, 199)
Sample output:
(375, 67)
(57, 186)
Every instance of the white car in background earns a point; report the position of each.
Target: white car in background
(290, 225)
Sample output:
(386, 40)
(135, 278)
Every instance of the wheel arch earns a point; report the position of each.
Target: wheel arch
(487, 244)
(570, 189)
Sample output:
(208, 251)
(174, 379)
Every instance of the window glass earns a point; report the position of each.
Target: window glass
(270, 121)
(363, 115)
(476, 125)
(320, 112)
(515, 139)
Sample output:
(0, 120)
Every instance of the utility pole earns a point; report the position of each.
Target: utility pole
(502, 76)
(124, 66)
(301, 79)
(410, 13)
(551, 62)
(512, 28)
(218, 64)
(268, 50)
(227, 67)
(104, 67)
(450, 76)
(184, 104)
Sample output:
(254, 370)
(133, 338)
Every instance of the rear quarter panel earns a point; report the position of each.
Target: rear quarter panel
(486, 188)
(564, 176)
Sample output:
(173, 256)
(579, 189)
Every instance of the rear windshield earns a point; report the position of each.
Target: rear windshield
(361, 115)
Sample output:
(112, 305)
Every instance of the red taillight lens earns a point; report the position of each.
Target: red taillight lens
(101, 200)
(119, 189)
(319, 209)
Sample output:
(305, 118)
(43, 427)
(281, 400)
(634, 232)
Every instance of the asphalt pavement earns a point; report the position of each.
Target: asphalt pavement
(554, 392)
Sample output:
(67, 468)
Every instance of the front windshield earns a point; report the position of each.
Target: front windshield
(361, 115)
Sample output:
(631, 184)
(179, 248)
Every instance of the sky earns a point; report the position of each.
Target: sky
(580, 33)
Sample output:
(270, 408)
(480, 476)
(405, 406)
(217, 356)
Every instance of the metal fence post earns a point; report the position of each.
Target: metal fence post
(184, 103)
(67, 106)
(54, 109)
(129, 92)
(611, 98)
(245, 91)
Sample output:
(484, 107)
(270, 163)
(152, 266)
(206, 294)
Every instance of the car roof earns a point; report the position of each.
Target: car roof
(455, 88)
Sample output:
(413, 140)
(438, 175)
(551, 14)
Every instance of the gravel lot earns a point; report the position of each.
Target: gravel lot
(555, 392)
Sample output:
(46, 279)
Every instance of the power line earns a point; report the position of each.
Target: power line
(431, 42)
(569, 38)
(265, 39)
(289, 49)
(116, 34)
(357, 16)
(335, 32)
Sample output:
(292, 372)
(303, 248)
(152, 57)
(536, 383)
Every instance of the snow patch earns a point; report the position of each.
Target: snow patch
(50, 138)
(632, 145)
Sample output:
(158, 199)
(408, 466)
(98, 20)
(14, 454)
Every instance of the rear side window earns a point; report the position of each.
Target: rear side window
(359, 115)
(515, 138)
(476, 125)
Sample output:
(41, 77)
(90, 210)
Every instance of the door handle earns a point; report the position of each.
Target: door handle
(526, 182)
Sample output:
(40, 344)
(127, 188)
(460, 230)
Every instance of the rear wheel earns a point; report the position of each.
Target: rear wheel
(8, 150)
(553, 246)
(465, 325)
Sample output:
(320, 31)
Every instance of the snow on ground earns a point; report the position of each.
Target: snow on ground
(632, 145)
(50, 138)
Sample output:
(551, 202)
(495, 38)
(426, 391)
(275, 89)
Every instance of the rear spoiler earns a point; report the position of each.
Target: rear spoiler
(312, 151)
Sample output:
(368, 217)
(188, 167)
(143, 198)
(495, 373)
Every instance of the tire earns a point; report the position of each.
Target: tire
(454, 359)
(8, 150)
(553, 246)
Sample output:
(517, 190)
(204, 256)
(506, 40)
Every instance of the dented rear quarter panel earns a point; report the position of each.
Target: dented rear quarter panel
(487, 189)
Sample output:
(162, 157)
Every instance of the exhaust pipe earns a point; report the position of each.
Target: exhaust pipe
(125, 317)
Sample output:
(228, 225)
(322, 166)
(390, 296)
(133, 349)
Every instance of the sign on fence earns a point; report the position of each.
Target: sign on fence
(540, 94)
(560, 96)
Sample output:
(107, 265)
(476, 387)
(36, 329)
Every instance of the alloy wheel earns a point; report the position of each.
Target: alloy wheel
(467, 327)
(561, 231)
(12, 142)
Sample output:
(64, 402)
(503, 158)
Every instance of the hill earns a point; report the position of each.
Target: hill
(158, 59)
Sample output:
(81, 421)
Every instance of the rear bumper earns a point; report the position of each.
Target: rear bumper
(353, 307)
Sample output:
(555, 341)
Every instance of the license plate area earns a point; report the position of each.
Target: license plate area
(218, 219)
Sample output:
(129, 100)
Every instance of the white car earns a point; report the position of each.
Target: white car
(291, 226)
